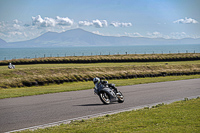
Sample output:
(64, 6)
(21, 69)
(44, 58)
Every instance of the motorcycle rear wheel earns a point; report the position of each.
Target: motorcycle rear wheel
(104, 97)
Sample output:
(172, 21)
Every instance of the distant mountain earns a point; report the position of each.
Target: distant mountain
(79, 37)
(3, 43)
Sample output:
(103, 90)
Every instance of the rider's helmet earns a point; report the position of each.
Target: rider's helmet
(96, 80)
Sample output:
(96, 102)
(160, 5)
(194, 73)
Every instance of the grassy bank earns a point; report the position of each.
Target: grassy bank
(44, 74)
(107, 58)
(74, 86)
(178, 117)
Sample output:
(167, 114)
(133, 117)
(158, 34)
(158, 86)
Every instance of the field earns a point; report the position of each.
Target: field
(178, 117)
(41, 74)
(33, 79)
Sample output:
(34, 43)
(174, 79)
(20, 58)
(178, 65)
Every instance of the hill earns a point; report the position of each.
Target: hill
(3, 43)
(80, 37)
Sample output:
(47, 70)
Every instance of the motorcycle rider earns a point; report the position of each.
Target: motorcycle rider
(100, 85)
(11, 66)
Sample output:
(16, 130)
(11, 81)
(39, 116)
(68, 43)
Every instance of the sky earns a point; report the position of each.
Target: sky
(170, 19)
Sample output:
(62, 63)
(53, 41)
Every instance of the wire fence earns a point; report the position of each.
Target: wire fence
(88, 54)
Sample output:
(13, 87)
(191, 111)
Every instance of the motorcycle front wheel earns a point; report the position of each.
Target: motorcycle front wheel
(104, 97)
(120, 97)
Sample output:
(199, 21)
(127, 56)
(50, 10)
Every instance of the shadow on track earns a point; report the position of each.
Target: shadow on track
(96, 104)
(90, 105)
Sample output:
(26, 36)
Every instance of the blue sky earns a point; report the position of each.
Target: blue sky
(171, 19)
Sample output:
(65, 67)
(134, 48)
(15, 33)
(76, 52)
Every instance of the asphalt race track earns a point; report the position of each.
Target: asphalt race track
(23, 112)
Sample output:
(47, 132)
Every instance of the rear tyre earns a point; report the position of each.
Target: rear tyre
(104, 97)
(120, 97)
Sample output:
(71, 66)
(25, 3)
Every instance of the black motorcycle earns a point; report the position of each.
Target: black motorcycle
(109, 93)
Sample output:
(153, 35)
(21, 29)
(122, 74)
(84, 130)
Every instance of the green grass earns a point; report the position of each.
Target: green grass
(38, 90)
(178, 117)
(24, 74)
(88, 65)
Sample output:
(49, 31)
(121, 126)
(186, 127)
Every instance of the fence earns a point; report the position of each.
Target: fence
(86, 54)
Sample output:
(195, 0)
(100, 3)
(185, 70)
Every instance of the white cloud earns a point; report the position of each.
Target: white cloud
(136, 34)
(64, 21)
(50, 22)
(85, 23)
(172, 35)
(46, 22)
(155, 34)
(16, 21)
(96, 23)
(37, 20)
(17, 30)
(117, 24)
(16, 26)
(103, 23)
(97, 32)
(179, 35)
(100, 23)
(15, 33)
(186, 21)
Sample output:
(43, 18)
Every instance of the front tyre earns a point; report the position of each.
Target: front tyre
(104, 97)
(120, 97)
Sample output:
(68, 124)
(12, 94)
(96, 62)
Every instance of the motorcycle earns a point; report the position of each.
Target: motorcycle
(109, 93)
(11, 66)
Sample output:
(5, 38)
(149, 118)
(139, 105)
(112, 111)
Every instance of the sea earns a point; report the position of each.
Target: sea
(28, 53)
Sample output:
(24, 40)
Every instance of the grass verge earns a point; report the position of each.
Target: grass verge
(38, 90)
(178, 117)
(41, 74)
(108, 58)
